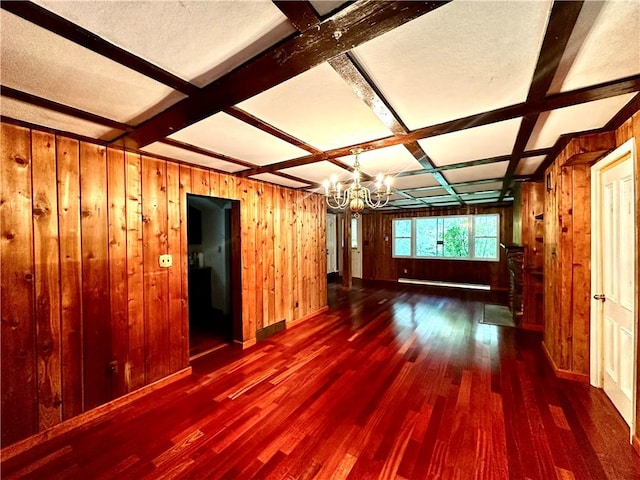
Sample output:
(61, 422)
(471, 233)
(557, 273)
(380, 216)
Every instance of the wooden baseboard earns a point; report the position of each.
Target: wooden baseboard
(564, 374)
(245, 344)
(91, 417)
(307, 317)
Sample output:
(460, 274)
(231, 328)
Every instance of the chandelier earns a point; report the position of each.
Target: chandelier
(357, 196)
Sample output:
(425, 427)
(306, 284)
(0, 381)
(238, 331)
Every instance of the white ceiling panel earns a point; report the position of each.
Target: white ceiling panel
(59, 121)
(433, 192)
(317, 97)
(478, 195)
(407, 202)
(446, 204)
(225, 134)
(480, 187)
(197, 41)
(456, 61)
(170, 151)
(389, 160)
(475, 143)
(479, 172)
(605, 45)
(483, 200)
(41, 63)
(415, 181)
(528, 165)
(440, 198)
(278, 180)
(318, 172)
(577, 118)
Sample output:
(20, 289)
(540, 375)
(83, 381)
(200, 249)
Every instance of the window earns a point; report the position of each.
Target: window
(354, 233)
(467, 237)
(401, 238)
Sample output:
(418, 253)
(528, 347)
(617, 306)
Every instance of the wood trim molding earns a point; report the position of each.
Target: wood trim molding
(307, 317)
(90, 417)
(635, 442)
(561, 373)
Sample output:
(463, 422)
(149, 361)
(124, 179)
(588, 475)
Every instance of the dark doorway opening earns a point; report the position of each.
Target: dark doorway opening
(213, 233)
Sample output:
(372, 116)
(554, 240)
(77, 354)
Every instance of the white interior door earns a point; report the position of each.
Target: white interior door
(356, 247)
(332, 250)
(614, 291)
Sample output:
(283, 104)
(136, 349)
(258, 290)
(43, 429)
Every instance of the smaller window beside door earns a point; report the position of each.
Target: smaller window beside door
(463, 237)
(354, 233)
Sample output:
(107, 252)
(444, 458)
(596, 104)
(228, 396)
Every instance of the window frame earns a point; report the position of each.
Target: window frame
(471, 219)
(393, 239)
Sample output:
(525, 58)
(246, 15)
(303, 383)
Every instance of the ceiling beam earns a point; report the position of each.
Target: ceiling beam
(61, 26)
(356, 24)
(563, 18)
(559, 100)
(270, 129)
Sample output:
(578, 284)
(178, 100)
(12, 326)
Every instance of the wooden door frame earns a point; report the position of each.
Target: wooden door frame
(597, 309)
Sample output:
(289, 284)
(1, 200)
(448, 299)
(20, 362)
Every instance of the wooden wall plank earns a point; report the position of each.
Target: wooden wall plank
(214, 184)
(19, 413)
(245, 189)
(68, 174)
(267, 253)
(47, 278)
(200, 181)
(185, 188)
(156, 279)
(177, 329)
(135, 368)
(581, 266)
(227, 187)
(118, 279)
(279, 252)
(96, 316)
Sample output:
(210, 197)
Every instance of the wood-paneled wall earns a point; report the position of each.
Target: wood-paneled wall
(87, 313)
(567, 252)
(567, 255)
(532, 239)
(378, 264)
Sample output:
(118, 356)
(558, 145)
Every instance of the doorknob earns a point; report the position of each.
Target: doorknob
(600, 297)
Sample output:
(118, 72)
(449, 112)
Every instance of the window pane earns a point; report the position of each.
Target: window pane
(354, 233)
(402, 247)
(486, 247)
(456, 237)
(426, 237)
(402, 228)
(486, 225)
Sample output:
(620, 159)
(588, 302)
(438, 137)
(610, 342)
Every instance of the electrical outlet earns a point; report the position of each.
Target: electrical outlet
(166, 261)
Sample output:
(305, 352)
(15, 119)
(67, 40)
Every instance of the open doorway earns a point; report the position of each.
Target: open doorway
(214, 268)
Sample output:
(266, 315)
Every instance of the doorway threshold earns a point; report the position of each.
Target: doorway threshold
(207, 352)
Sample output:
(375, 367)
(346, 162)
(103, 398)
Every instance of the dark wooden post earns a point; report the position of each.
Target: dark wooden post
(346, 250)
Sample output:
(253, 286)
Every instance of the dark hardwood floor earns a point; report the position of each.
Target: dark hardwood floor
(399, 382)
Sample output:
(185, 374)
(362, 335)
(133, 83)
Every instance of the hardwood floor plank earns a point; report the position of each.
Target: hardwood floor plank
(399, 382)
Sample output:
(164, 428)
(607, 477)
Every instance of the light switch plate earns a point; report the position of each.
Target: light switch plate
(166, 261)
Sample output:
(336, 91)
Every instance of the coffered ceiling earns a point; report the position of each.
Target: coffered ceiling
(457, 100)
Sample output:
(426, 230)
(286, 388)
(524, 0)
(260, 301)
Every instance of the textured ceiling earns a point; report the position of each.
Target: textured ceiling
(457, 101)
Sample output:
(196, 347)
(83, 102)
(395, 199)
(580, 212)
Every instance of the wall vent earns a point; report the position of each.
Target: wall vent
(266, 332)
